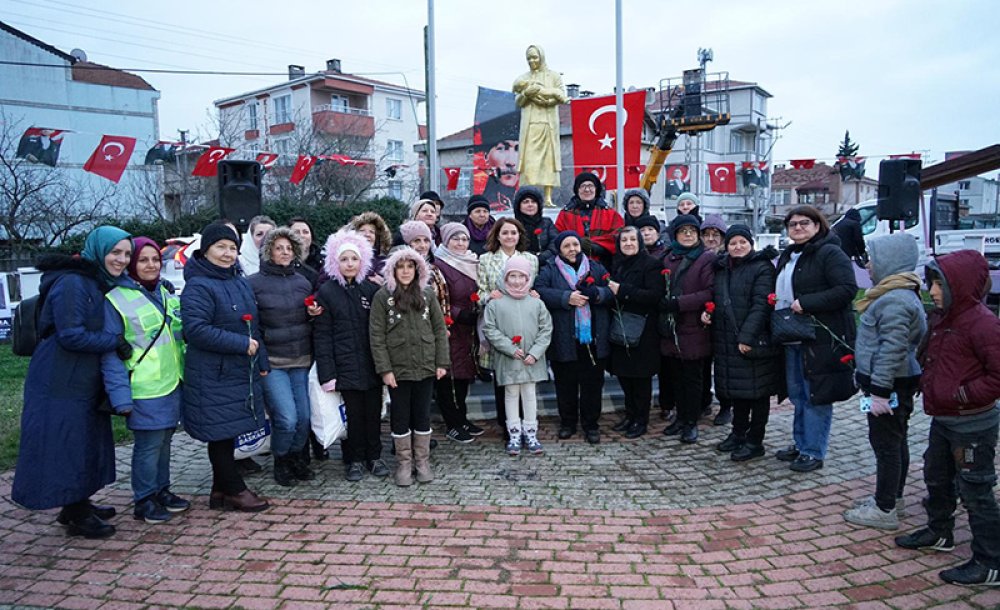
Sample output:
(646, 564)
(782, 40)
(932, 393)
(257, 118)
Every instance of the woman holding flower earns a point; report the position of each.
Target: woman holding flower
(815, 278)
(224, 363)
(286, 305)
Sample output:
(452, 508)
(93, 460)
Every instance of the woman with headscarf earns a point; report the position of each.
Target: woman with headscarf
(540, 230)
(224, 364)
(459, 267)
(144, 309)
(66, 451)
(637, 284)
(249, 247)
(575, 289)
(636, 206)
(311, 263)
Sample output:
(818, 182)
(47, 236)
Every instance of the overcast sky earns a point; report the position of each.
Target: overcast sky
(901, 75)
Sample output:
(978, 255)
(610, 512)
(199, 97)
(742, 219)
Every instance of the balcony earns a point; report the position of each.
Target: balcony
(341, 121)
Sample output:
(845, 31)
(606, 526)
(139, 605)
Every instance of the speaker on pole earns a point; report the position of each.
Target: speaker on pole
(239, 191)
(898, 189)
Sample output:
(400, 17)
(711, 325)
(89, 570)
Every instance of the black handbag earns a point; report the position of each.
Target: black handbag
(790, 327)
(626, 328)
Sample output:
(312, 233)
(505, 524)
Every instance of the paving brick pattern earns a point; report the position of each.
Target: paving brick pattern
(646, 524)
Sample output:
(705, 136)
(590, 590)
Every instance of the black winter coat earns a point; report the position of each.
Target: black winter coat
(541, 233)
(823, 282)
(284, 321)
(340, 335)
(555, 291)
(641, 287)
(692, 287)
(743, 315)
(852, 240)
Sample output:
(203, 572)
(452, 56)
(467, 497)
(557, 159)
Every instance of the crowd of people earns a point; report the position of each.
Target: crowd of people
(430, 309)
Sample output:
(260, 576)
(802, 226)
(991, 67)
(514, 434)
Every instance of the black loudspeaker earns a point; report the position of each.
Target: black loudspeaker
(898, 189)
(239, 191)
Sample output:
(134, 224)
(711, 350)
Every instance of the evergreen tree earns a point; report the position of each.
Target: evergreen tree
(847, 147)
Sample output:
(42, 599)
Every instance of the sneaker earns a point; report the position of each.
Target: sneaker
(378, 468)
(806, 463)
(926, 540)
(788, 454)
(355, 472)
(460, 435)
(900, 504)
(532, 445)
(473, 429)
(150, 511)
(870, 515)
(971, 573)
(514, 445)
(171, 502)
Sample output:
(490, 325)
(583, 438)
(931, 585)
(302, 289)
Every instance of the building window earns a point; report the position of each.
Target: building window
(283, 109)
(339, 103)
(740, 142)
(394, 109)
(781, 198)
(396, 189)
(394, 151)
(708, 139)
(964, 185)
(252, 115)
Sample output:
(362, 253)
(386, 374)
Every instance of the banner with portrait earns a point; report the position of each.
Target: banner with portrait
(495, 147)
(678, 181)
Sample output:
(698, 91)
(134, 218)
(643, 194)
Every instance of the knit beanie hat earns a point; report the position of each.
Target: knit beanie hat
(477, 201)
(412, 229)
(689, 197)
(419, 203)
(517, 263)
(741, 230)
(562, 237)
(452, 229)
(586, 177)
(646, 220)
(683, 220)
(214, 232)
(714, 221)
(433, 196)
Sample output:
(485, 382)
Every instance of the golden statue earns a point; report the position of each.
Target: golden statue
(539, 93)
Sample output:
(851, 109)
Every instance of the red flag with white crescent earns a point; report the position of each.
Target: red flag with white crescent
(208, 163)
(302, 167)
(267, 159)
(803, 163)
(750, 164)
(453, 174)
(110, 157)
(915, 156)
(722, 177)
(594, 137)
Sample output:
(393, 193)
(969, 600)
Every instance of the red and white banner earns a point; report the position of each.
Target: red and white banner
(722, 177)
(452, 173)
(803, 163)
(267, 159)
(208, 163)
(762, 165)
(302, 167)
(594, 145)
(915, 156)
(110, 157)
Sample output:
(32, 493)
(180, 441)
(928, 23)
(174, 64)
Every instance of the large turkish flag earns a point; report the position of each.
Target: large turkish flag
(110, 157)
(302, 167)
(594, 143)
(722, 177)
(208, 163)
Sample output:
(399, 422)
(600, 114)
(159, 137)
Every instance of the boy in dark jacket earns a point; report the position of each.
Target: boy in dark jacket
(961, 385)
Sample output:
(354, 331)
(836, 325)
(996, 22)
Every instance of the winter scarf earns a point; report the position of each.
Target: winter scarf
(479, 233)
(573, 277)
(467, 264)
(896, 281)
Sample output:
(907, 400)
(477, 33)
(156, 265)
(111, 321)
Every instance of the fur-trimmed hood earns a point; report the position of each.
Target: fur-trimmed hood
(383, 237)
(405, 252)
(267, 246)
(340, 238)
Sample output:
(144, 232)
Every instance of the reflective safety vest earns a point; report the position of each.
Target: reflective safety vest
(162, 369)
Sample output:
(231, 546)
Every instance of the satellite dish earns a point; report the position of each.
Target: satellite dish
(79, 54)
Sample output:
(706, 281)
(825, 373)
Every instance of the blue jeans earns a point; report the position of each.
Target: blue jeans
(811, 425)
(150, 462)
(287, 394)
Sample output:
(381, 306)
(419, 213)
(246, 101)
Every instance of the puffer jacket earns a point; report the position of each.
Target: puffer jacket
(691, 284)
(742, 315)
(961, 357)
(340, 335)
(555, 292)
(640, 289)
(284, 322)
(540, 231)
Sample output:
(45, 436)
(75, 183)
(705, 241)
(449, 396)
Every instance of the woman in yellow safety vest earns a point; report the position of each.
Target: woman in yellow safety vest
(147, 387)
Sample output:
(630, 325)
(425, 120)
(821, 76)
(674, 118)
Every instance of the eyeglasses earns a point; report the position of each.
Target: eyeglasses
(459, 238)
(688, 230)
(587, 185)
(793, 224)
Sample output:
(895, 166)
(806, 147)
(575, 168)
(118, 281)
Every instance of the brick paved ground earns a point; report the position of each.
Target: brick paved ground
(622, 525)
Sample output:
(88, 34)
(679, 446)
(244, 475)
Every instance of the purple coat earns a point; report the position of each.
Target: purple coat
(462, 338)
(696, 284)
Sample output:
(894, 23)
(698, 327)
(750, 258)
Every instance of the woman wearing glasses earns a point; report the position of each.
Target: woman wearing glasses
(815, 278)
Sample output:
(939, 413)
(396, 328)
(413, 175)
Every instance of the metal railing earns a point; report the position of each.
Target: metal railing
(342, 109)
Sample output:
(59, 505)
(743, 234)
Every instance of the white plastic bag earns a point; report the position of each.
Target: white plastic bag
(328, 416)
(253, 443)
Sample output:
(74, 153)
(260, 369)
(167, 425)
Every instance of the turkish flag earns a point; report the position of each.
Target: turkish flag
(302, 167)
(110, 157)
(722, 177)
(208, 163)
(915, 156)
(803, 163)
(749, 165)
(267, 160)
(452, 173)
(594, 143)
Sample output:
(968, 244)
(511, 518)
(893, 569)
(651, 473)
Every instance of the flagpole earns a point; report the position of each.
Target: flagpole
(619, 108)
(432, 153)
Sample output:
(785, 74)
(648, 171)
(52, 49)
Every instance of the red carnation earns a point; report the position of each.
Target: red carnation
(247, 317)
(474, 297)
(590, 280)
(309, 301)
(538, 231)
(846, 359)
(772, 299)
(665, 272)
(516, 339)
(448, 321)
(710, 307)
(606, 277)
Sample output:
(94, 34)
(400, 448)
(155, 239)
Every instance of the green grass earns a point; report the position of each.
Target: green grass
(12, 371)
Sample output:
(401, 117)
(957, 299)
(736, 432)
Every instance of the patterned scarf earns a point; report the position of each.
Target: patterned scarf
(904, 281)
(572, 277)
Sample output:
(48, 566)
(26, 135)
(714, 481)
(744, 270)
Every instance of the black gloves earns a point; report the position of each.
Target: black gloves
(591, 292)
(586, 245)
(123, 348)
(670, 304)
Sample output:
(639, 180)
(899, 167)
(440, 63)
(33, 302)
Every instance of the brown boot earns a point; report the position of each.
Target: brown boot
(404, 460)
(422, 456)
(246, 501)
